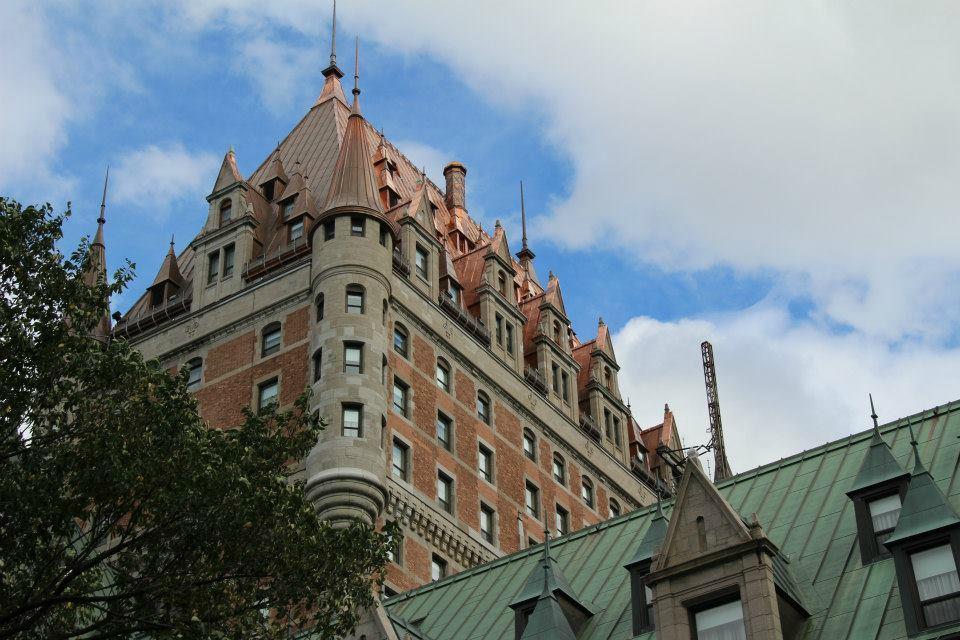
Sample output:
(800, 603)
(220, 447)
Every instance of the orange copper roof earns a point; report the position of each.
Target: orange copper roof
(353, 183)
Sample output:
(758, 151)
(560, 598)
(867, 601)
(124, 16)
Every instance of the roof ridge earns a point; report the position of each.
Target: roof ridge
(893, 425)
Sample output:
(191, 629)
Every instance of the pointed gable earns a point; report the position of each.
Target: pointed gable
(702, 521)
(553, 296)
(275, 170)
(925, 509)
(878, 467)
(421, 209)
(604, 342)
(229, 174)
(169, 270)
(499, 246)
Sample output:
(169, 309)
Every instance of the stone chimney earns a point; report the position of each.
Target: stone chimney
(456, 195)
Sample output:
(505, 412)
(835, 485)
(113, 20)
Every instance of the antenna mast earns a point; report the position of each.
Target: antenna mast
(722, 466)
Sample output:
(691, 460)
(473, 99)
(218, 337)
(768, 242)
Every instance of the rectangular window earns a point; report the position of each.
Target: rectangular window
(352, 420)
(329, 230)
(529, 446)
(607, 424)
(421, 260)
(317, 364)
(438, 568)
(354, 300)
(271, 341)
(445, 491)
(938, 585)
(486, 522)
(401, 461)
(531, 497)
(724, 622)
(445, 431)
(565, 386)
(884, 514)
(400, 341)
(357, 226)
(443, 377)
(498, 324)
(228, 252)
(616, 433)
(353, 357)
(485, 464)
(395, 549)
(562, 521)
(383, 234)
(509, 328)
(400, 393)
(213, 267)
(267, 393)
(555, 378)
(483, 408)
(454, 291)
(296, 230)
(288, 208)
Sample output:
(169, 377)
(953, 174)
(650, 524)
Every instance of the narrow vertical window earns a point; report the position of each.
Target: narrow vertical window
(400, 340)
(195, 373)
(383, 234)
(445, 431)
(317, 364)
(400, 393)
(288, 208)
(401, 457)
(438, 568)
(562, 521)
(502, 283)
(353, 357)
(487, 516)
(483, 407)
(329, 230)
(355, 296)
(270, 341)
(445, 491)
(213, 267)
(531, 499)
(586, 492)
(319, 307)
(352, 420)
(296, 230)
(422, 262)
(226, 211)
(529, 444)
(443, 375)
(559, 469)
(565, 386)
(498, 324)
(617, 438)
(608, 424)
(509, 329)
(357, 226)
(267, 393)
(228, 254)
(555, 377)
(485, 463)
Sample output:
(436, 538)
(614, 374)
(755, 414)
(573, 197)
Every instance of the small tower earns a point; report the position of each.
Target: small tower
(352, 258)
(97, 268)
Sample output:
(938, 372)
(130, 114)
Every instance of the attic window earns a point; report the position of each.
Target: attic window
(937, 585)
(884, 514)
(394, 199)
(156, 296)
(288, 208)
(268, 190)
(226, 211)
(720, 622)
(454, 290)
(502, 283)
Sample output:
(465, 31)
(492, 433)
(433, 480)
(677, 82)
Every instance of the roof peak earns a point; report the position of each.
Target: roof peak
(332, 69)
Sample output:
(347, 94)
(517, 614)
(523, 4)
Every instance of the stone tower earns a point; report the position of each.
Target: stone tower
(350, 279)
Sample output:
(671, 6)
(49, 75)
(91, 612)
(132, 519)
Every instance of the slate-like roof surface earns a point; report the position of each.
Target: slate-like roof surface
(802, 504)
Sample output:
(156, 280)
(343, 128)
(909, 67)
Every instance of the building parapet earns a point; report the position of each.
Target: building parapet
(536, 379)
(473, 326)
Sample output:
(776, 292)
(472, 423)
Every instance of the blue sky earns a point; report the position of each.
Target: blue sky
(784, 183)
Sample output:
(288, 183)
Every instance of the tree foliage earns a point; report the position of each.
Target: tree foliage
(121, 513)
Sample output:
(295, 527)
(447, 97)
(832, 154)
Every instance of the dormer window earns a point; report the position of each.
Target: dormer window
(502, 283)
(884, 514)
(556, 331)
(937, 585)
(720, 622)
(608, 377)
(268, 190)
(296, 230)
(226, 211)
(422, 260)
(287, 208)
(454, 290)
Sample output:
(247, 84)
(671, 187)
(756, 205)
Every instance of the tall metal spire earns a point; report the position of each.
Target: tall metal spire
(333, 37)
(873, 414)
(103, 200)
(356, 74)
(523, 216)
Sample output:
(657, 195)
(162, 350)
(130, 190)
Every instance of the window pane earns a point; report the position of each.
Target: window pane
(529, 446)
(213, 267)
(399, 460)
(721, 623)
(483, 408)
(558, 470)
(353, 358)
(532, 502)
(443, 431)
(443, 377)
(486, 472)
(268, 393)
(296, 230)
(400, 342)
(196, 372)
(935, 572)
(421, 262)
(271, 341)
(228, 253)
(329, 230)
(885, 512)
(400, 398)
(356, 226)
(438, 568)
(354, 301)
(351, 421)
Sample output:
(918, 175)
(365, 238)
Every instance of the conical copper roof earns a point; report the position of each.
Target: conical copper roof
(353, 183)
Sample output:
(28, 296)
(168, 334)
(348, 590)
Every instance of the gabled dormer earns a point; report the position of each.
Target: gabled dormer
(877, 493)
(168, 285)
(498, 301)
(546, 593)
(718, 576)
(419, 243)
(273, 184)
(926, 551)
(550, 349)
(296, 209)
(641, 595)
(599, 392)
(385, 168)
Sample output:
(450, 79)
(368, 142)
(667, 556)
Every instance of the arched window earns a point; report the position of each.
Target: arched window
(483, 406)
(401, 341)
(559, 469)
(317, 364)
(614, 508)
(529, 444)
(319, 307)
(355, 301)
(226, 211)
(443, 374)
(195, 375)
(586, 491)
(270, 340)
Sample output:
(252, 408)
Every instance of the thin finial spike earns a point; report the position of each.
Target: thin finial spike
(356, 67)
(873, 413)
(103, 199)
(523, 216)
(333, 39)
(917, 465)
(171, 242)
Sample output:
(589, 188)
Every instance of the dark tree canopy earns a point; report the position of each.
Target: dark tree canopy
(121, 513)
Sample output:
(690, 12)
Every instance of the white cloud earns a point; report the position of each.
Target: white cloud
(424, 156)
(783, 387)
(154, 177)
(276, 69)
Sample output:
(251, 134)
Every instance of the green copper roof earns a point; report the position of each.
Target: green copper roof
(925, 508)
(556, 582)
(547, 622)
(652, 539)
(878, 466)
(802, 504)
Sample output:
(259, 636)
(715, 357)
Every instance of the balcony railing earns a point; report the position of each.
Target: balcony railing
(400, 262)
(588, 424)
(269, 261)
(536, 379)
(472, 325)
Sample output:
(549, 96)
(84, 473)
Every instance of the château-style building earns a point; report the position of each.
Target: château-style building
(459, 400)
